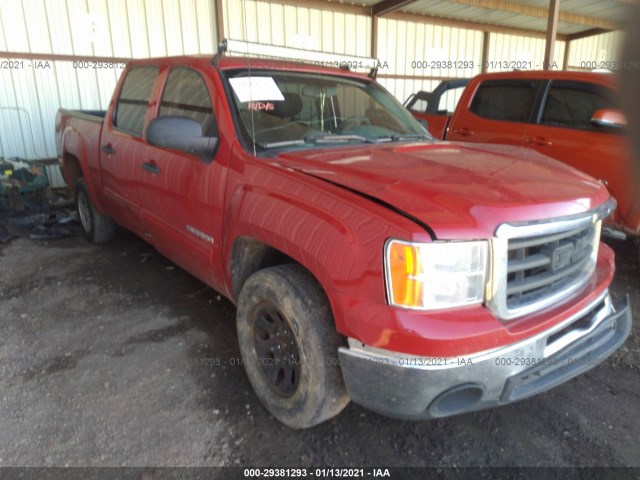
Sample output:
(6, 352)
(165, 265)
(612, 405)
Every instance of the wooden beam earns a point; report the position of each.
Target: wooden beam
(565, 60)
(485, 51)
(219, 21)
(330, 5)
(552, 30)
(522, 9)
(374, 36)
(391, 76)
(579, 68)
(63, 58)
(387, 6)
(483, 27)
(586, 33)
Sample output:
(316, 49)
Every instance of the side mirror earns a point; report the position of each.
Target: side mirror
(609, 117)
(181, 133)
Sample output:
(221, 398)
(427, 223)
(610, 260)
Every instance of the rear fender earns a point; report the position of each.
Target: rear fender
(74, 145)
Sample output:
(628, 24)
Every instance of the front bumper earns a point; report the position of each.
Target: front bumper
(414, 387)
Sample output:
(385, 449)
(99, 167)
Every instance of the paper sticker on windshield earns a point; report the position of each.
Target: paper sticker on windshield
(256, 89)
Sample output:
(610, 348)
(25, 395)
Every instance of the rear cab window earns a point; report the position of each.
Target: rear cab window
(505, 100)
(133, 101)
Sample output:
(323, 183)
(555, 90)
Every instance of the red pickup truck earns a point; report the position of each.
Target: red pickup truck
(367, 262)
(570, 116)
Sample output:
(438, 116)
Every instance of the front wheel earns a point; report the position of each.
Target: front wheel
(96, 227)
(289, 346)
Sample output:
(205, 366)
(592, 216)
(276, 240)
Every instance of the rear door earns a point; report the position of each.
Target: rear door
(122, 145)
(564, 131)
(181, 193)
(497, 112)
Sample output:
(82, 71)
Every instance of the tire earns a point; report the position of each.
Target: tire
(96, 227)
(289, 346)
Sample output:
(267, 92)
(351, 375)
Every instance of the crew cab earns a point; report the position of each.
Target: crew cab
(367, 262)
(570, 116)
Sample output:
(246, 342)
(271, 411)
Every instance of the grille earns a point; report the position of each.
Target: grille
(538, 264)
(544, 266)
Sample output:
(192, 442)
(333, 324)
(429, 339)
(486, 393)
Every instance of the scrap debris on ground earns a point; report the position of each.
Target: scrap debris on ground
(29, 208)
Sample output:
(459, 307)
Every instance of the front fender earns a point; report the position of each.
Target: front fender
(335, 234)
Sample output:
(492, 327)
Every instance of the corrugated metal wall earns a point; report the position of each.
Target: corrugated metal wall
(413, 49)
(295, 26)
(509, 52)
(599, 51)
(32, 92)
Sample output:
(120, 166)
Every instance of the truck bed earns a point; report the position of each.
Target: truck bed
(96, 116)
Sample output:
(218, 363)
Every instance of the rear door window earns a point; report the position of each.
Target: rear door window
(186, 95)
(505, 100)
(572, 104)
(134, 99)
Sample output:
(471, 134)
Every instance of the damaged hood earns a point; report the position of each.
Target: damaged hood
(459, 190)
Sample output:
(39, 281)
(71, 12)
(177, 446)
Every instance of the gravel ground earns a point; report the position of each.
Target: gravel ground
(100, 354)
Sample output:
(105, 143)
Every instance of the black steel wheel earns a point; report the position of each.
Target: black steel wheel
(289, 346)
(277, 350)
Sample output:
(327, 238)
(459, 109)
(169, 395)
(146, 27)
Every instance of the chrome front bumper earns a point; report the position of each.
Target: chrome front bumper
(412, 387)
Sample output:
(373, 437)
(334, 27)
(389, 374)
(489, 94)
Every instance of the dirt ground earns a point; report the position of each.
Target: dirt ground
(100, 351)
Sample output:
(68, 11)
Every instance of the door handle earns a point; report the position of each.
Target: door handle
(151, 166)
(465, 132)
(108, 149)
(540, 141)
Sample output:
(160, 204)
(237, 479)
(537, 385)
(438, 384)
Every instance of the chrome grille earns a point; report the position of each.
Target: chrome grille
(536, 265)
(542, 266)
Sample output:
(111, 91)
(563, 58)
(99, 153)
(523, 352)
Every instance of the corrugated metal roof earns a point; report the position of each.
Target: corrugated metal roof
(612, 10)
(580, 15)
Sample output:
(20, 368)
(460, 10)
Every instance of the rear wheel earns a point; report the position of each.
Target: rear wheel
(289, 346)
(96, 227)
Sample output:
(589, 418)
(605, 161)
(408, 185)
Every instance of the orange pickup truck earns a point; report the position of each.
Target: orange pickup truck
(570, 116)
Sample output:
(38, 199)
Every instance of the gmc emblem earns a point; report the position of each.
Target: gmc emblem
(569, 254)
(562, 256)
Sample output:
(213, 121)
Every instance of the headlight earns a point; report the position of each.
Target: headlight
(433, 276)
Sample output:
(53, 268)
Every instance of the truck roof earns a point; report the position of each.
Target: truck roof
(232, 62)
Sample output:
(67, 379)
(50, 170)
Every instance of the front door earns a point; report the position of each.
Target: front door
(182, 194)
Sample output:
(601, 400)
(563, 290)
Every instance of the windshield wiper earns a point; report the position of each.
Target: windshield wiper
(314, 139)
(410, 136)
(285, 143)
(330, 138)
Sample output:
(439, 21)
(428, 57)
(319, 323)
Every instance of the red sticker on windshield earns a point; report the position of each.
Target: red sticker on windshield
(260, 106)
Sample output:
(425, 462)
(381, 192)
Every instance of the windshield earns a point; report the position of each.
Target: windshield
(278, 109)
